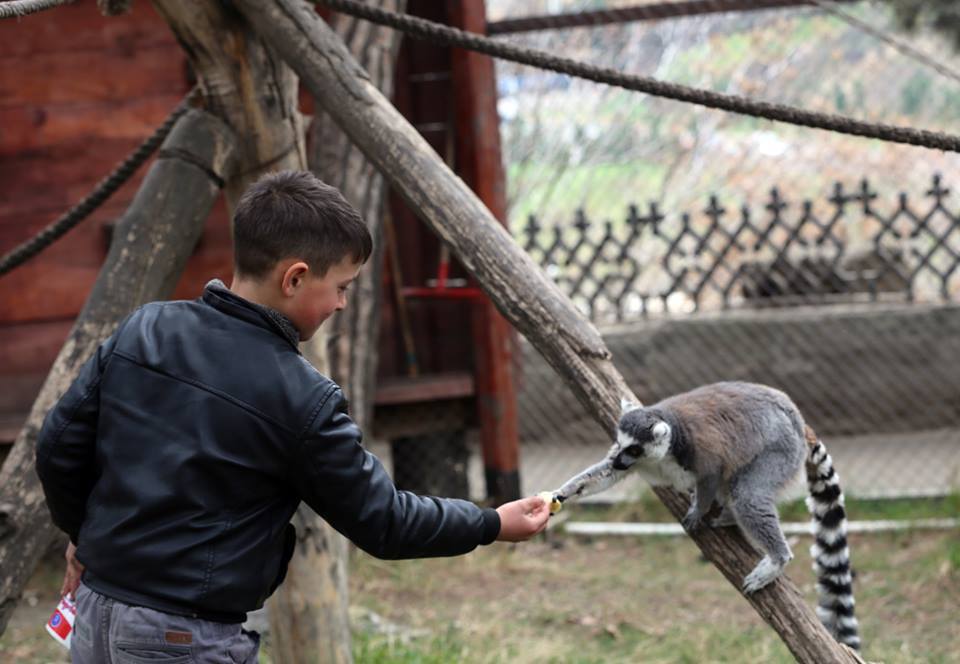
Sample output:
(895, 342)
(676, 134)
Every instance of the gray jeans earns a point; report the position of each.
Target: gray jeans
(110, 632)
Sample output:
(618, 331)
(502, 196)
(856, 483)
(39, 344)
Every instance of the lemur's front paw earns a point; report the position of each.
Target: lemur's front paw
(691, 521)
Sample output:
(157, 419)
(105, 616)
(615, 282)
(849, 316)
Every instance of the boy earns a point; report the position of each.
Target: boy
(176, 459)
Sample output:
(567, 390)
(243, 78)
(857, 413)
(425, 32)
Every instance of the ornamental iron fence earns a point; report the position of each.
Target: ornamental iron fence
(849, 250)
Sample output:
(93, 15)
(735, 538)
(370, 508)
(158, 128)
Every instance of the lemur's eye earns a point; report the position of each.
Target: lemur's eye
(628, 456)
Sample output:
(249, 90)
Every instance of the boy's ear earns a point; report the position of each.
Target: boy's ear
(293, 277)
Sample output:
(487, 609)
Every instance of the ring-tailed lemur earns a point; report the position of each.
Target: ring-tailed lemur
(739, 444)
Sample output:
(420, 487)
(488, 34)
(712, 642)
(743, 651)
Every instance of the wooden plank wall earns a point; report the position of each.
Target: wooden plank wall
(78, 92)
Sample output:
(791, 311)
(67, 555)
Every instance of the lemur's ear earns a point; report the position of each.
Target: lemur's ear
(661, 429)
(626, 405)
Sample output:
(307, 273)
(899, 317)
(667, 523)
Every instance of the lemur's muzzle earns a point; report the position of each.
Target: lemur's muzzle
(593, 480)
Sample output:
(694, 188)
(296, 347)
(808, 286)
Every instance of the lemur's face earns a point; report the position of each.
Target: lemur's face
(641, 435)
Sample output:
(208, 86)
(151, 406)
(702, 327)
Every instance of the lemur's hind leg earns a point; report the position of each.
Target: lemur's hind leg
(701, 501)
(753, 494)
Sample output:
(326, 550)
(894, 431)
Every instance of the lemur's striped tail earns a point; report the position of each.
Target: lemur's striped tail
(831, 555)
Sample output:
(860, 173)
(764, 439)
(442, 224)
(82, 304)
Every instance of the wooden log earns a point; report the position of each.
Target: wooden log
(153, 241)
(338, 162)
(245, 84)
(516, 284)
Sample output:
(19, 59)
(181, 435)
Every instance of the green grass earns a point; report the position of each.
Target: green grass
(441, 649)
(953, 554)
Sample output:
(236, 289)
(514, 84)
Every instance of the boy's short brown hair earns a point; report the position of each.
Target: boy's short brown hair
(294, 214)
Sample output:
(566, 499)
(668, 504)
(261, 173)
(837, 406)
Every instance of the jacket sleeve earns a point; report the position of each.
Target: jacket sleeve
(352, 491)
(66, 445)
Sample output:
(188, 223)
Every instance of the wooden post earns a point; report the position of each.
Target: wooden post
(338, 162)
(310, 611)
(515, 283)
(150, 247)
(478, 161)
(245, 84)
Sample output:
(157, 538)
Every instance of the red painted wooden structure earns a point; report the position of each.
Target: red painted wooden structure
(78, 91)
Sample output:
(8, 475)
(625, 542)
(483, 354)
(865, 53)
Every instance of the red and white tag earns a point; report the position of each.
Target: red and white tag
(60, 624)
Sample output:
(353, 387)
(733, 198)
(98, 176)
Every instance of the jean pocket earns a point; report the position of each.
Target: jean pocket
(244, 647)
(133, 652)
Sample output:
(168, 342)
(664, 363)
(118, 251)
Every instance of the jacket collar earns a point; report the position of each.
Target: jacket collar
(217, 295)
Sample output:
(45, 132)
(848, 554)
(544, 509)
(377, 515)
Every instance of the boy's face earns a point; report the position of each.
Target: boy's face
(319, 297)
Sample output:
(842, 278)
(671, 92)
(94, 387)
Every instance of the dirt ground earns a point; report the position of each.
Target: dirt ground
(575, 600)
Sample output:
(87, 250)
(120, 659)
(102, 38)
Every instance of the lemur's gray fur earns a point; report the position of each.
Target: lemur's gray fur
(738, 444)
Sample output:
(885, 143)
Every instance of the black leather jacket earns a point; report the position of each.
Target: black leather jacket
(178, 456)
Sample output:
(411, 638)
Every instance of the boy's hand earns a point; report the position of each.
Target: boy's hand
(71, 580)
(522, 519)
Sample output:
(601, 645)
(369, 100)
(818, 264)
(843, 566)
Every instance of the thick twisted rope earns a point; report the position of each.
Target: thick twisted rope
(104, 189)
(654, 11)
(442, 34)
(19, 8)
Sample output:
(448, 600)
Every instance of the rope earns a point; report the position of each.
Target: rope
(104, 189)
(647, 12)
(19, 8)
(423, 29)
(902, 46)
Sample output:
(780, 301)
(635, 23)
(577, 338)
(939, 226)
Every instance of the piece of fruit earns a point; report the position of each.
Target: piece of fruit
(550, 499)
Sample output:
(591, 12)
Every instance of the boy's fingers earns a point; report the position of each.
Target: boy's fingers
(533, 502)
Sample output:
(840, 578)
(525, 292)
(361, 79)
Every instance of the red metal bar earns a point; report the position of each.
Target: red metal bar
(478, 162)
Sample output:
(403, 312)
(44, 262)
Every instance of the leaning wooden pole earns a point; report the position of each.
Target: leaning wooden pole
(514, 282)
(150, 246)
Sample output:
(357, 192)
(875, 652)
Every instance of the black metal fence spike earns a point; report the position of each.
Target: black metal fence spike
(581, 223)
(937, 191)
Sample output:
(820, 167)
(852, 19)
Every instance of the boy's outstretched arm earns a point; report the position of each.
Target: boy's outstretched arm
(522, 519)
(351, 490)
